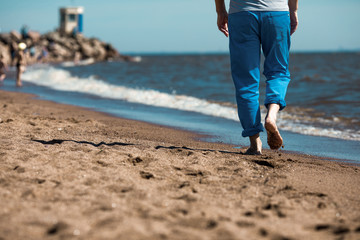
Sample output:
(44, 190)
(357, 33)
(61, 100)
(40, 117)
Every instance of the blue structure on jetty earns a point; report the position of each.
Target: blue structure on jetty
(71, 20)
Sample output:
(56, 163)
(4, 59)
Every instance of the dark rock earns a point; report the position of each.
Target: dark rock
(5, 38)
(60, 47)
(15, 36)
(34, 36)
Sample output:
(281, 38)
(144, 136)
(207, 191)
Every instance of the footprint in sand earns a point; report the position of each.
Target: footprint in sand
(321, 227)
(135, 160)
(255, 214)
(56, 228)
(73, 120)
(321, 205)
(276, 208)
(340, 230)
(28, 194)
(102, 163)
(263, 232)
(39, 181)
(146, 175)
(195, 172)
(184, 184)
(336, 230)
(187, 198)
(184, 212)
(19, 169)
(141, 160)
(244, 224)
(199, 223)
(316, 194)
(264, 163)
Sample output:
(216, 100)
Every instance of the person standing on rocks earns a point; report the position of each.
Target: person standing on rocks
(252, 25)
(20, 63)
(3, 68)
(43, 55)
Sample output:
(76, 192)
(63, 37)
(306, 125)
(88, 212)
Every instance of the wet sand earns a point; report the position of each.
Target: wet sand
(71, 173)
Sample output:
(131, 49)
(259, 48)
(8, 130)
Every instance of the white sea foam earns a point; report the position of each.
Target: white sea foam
(84, 62)
(293, 123)
(62, 80)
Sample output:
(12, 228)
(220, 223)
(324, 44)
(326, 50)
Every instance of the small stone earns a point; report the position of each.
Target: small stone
(76, 232)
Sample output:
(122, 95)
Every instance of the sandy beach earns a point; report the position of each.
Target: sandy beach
(72, 173)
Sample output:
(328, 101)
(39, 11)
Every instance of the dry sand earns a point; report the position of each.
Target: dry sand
(71, 173)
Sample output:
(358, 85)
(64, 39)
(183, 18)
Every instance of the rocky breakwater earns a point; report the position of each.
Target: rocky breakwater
(54, 47)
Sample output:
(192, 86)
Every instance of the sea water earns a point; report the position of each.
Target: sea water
(195, 92)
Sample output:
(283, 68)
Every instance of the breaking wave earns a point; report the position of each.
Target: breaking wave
(295, 121)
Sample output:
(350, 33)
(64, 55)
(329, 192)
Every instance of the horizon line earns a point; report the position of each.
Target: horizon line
(227, 52)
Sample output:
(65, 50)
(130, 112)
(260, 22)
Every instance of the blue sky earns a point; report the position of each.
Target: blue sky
(182, 25)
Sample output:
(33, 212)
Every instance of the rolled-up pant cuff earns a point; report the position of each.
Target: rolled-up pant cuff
(280, 102)
(252, 131)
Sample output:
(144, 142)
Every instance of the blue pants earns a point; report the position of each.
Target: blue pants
(249, 31)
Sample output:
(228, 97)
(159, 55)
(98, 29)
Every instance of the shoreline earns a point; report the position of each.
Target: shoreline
(200, 137)
(317, 134)
(70, 172)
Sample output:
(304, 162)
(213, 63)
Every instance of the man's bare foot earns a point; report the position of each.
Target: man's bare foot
(255, 146)
(18, 84)
(251, 151)
(274, 138)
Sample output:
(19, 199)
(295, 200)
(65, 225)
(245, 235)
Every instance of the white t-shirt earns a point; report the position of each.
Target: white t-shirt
(258, 5)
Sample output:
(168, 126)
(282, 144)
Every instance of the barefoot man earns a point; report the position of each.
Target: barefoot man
(20, 63)
(253, 25)
(3, 68)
